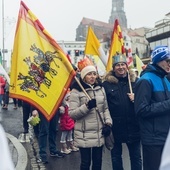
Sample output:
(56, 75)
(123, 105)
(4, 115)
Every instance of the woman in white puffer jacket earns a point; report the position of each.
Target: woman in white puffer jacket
(88, 126)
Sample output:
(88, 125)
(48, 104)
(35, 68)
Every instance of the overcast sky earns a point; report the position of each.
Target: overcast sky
(62, 17)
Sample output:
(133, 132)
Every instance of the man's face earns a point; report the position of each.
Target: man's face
(165, 64)
(120, 69)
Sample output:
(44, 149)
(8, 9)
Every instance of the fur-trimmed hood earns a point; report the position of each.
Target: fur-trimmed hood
(111, 77)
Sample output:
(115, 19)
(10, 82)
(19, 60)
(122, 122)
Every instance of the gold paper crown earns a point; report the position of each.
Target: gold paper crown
(85, 62)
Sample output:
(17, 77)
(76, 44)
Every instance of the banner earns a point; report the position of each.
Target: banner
(40, 70)
(129, 58)
(117, 44)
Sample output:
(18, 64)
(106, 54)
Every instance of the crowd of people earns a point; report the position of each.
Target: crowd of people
(135, 108)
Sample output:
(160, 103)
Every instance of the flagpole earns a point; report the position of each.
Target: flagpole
(77, 80)
(130, 86)
(3, 34)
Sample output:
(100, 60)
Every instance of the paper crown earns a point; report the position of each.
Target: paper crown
(85, 62)
(118, 59)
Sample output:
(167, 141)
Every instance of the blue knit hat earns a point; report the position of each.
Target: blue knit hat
(160, 53)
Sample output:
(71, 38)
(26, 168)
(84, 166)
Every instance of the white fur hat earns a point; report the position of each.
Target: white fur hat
(87, 70)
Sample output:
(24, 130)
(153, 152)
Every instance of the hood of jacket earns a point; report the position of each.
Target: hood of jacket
(112, 78)
(85, 85)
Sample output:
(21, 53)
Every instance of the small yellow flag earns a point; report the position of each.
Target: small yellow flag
(93, 46)
(139, 64)
(92, 43)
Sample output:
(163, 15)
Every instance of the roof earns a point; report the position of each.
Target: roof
(87, 21)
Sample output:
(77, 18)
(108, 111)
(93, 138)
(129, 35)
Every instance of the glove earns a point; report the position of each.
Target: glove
(106, 130)
(34, 120)
(91, 104)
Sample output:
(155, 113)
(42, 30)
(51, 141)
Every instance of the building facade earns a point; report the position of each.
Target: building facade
(133, 39)
(101, 29)
(75, 49)
(160, 34)
(118, 12)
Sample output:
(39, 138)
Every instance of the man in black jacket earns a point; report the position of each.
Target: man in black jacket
(121, 106)
(152, 106)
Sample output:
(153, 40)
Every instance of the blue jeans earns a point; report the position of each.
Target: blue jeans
(134, 152)
(89, 155)
(1, 97)
(47, 131)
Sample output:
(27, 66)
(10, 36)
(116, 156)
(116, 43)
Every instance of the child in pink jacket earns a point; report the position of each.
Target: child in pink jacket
(66, 127)
(2, 86)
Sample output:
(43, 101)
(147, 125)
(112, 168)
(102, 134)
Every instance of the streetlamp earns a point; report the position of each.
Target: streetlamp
(4, 21)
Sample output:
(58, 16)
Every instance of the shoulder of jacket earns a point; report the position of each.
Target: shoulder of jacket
(109, 77)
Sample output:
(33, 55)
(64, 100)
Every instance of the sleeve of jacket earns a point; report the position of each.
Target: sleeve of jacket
(76, 110)
(143, 105)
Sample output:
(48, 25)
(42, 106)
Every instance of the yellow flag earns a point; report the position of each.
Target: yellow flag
(117, 44)
(139, 64)
(40, 71)
(93, 46)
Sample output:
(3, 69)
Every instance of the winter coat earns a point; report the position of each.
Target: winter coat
(6, 88)
(88, 126)
(125, 124)
(66, 122)
(152, 105)
(2, 85)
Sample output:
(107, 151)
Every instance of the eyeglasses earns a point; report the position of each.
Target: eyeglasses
(168, 61)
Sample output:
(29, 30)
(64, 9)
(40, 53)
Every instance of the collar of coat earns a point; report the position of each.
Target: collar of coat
(85, 86)
(111, 78)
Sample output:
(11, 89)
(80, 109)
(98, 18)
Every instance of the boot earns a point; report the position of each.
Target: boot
(64, 148)
(22, 137)
(72, 147)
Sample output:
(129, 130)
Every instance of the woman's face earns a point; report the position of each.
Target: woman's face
(90, 78)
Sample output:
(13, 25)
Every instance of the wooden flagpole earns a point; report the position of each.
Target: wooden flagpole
(82, 88)
(130, 85)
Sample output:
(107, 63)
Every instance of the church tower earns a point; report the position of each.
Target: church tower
(118, 13)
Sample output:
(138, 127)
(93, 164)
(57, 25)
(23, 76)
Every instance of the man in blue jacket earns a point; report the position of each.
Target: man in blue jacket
(152, 106)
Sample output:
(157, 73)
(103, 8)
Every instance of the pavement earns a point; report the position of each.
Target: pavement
(18, 153)
(24, 154)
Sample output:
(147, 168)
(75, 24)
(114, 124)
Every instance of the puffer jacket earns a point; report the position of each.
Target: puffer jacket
(125, 124)
(152, 105)
(66, 122)
(2, 85)
(88, 126)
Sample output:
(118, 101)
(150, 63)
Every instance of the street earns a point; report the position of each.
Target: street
(12, 123)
